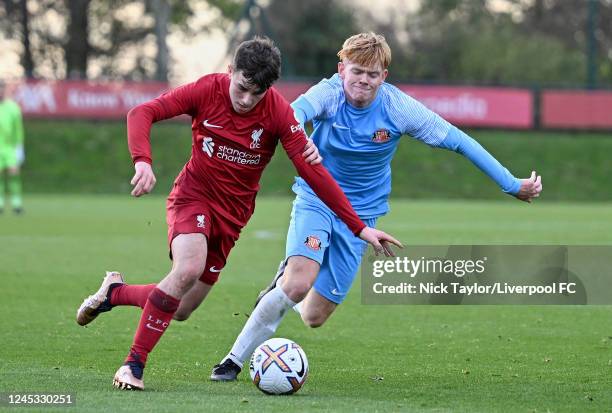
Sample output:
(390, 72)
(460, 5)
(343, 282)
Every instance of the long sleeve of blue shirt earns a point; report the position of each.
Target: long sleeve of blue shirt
(303, 110)
(460, 142)
(455, 140)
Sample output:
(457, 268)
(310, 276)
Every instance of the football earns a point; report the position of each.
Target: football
(279, 366)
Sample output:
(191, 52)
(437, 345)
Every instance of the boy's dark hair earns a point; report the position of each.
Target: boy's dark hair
(259, 60)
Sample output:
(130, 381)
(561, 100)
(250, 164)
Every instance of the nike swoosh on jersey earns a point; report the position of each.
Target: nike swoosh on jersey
(338, 126)
(213, 269)
(335, 292)
(210, 125)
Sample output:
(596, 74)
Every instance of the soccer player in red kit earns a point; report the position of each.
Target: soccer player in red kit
(237, 121)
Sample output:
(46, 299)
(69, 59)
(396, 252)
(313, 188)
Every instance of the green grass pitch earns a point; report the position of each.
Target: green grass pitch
(366, 358)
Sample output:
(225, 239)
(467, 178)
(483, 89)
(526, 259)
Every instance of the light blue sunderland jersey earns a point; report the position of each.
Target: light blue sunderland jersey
(357, 144)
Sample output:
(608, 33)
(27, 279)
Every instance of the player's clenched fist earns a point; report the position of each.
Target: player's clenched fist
(143, 180)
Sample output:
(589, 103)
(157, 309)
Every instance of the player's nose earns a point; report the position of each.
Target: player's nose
(246, 101)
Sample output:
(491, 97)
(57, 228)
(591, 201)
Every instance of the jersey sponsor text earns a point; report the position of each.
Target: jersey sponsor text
(237, 156)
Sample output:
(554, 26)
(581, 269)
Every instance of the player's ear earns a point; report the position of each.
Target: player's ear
(341, 69)
(384, 74)
(230, 69)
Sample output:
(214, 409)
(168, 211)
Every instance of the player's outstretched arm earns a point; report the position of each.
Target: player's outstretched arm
(463, 144)
(143, 180)
(380, 240)
(530, 188)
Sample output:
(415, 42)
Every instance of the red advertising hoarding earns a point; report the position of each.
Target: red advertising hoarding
(88, 100)
(463, 106)
(292, 90)
(81, 99)
(477, 106)
(576, 109)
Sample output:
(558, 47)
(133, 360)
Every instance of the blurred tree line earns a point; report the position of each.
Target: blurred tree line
(80, 39)
(537, 41)
(515, 42)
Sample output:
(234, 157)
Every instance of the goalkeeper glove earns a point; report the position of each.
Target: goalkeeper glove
(20, 154)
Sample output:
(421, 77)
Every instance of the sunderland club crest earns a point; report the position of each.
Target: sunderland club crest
(381, 136)
(313, 242)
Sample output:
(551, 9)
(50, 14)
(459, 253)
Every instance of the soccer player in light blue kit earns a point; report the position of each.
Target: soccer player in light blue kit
(358, 122)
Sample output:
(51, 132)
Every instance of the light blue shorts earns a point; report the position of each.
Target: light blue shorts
(316, 233)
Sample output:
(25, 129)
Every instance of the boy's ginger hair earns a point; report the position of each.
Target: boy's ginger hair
(366, 49)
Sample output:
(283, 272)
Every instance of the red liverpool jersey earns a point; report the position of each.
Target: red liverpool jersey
(230, 150)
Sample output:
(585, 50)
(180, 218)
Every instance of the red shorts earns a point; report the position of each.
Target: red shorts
(188, 217)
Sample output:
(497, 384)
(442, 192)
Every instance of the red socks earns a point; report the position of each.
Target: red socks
(135, 295)
(156, 316)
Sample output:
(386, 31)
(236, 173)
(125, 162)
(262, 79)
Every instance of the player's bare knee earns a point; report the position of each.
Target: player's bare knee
(302, 267)
(191, 270)
(314, 323)
(299, 277)
(313, 319)
(181, 315)
(187, 279)
(296, 289)
(186, 276)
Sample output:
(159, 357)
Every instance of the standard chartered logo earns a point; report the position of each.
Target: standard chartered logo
(208, 146)
(229, 154)
(237, 156)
